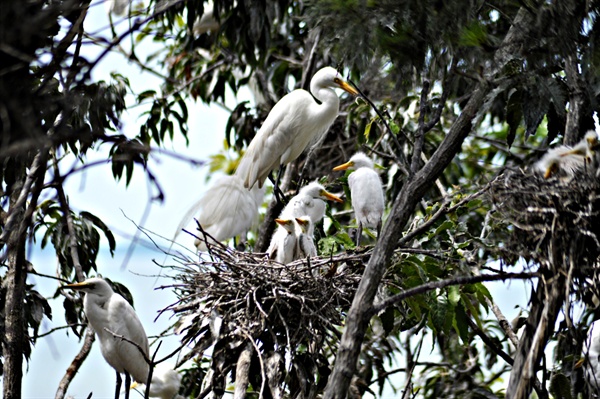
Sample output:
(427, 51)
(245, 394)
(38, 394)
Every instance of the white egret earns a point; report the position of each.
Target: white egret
(107, 310)
(366, 192)
(310, 201)
(165, 383)
(283, 246)
(117, 7)
(568, 161)
(591, 353)
(227, 209)
(296, 121)
(306, 243)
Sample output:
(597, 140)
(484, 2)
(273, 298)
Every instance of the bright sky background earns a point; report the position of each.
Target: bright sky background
(96, 191)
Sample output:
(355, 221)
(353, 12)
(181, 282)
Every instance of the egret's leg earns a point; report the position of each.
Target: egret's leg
(378, 228)
(276, 190)
(127, 384)
(118, 390)
(358, 233)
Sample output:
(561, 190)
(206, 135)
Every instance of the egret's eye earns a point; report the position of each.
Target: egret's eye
(336, 80)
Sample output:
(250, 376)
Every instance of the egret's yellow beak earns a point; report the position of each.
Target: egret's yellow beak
(302, 222)
(553, 168)
(283, 222)
(76, 286)
(579, 363)
(346, 87)
(344, 166)
(331, 197)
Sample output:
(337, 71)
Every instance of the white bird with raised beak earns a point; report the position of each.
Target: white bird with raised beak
(283, 246)
(565, 161)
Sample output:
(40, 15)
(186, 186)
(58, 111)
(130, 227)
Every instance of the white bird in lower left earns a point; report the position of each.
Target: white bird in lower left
(112, 317)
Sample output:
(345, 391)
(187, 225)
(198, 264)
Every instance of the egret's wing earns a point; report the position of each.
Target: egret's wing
(125, 322)
(264, 152)
(228, 209)
(367, 196)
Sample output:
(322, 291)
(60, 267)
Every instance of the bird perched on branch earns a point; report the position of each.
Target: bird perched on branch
(591, 353)
(567, 161)
(123, 341)
(296, 121)
(366, 191)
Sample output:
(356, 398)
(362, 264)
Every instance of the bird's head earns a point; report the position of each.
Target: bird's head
(95, 285)
(304, 223)
(552, 167)
(592, 140)
(358, 160)
(329, 77)
(287, 224)
(316, 190)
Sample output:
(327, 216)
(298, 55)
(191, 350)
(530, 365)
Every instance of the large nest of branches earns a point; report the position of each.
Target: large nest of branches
(552, 221)
(267, 321)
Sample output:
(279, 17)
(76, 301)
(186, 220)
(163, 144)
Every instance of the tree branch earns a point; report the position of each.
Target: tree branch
(411, 193)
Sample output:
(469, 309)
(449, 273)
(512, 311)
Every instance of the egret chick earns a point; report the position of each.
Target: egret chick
(165, 383)
(296, 121)
(366, 192)
(586, 148)
(560, 162)
(107, 310)
(591, 352)
(306, 243)
(310, 201)
(283, 246)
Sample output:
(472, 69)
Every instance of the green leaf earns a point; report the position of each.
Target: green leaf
(447, 224)
(514, 115)
(368, 129)
(461, 324)
(112, 244)
(454, 294)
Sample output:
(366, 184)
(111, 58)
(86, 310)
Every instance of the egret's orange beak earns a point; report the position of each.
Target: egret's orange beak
(76, 286)
(344, 166)
(331, 197)
(283, 222)
(346, 86)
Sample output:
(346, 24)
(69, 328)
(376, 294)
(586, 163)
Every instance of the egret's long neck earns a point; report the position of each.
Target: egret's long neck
(327, 97)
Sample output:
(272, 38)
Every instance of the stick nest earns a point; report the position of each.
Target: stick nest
(236, 300)
(549, 220)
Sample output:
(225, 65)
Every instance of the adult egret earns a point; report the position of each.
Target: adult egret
(107, 310)
(306, 243)
(227, 209)
(591, 352)
(165, 383)
(567, 161)
(366, 192)
(283, 246)
(297, 120)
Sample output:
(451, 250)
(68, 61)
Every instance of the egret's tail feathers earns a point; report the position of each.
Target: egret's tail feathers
(228, 209)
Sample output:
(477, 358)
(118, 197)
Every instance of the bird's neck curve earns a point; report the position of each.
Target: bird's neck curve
(327, 97)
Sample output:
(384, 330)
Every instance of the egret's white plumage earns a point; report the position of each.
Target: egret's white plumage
(591, 352)
(567, 161)
(306, 243)
(310, 201)
(366, 191)
(294, 122)
(105, 309)
(283, 246)
(165, 383)
(228, 209)
(117, 7)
